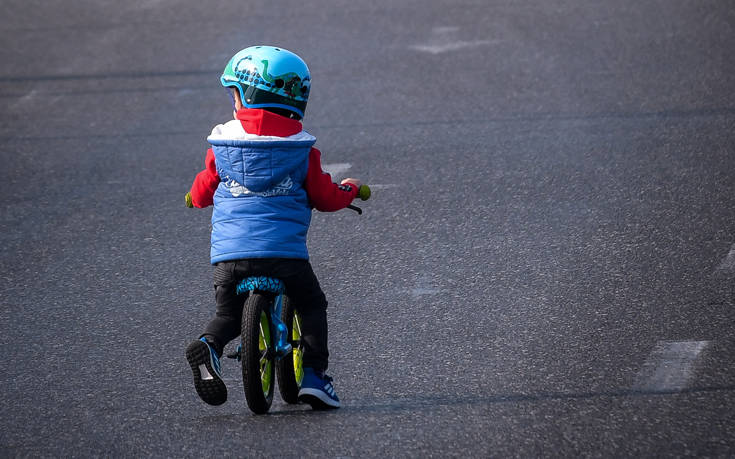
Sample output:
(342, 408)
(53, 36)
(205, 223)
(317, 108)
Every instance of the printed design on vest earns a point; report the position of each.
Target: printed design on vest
(281, 189)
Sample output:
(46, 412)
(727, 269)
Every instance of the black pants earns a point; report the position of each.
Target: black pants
(302, 289)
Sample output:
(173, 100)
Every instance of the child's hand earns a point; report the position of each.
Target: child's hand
(352, 181)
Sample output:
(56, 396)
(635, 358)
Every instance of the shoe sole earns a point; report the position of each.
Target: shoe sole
(209, 386)
(317, 399)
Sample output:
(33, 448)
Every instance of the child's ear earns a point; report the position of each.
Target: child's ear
(236, 98)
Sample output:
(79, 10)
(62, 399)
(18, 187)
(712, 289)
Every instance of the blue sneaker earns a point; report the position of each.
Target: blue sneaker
(317, 390)
(207, 373)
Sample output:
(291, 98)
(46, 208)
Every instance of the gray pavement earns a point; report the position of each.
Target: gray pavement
(545, 269)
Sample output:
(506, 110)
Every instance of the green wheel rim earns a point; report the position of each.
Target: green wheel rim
(298, 357)
(266, 364)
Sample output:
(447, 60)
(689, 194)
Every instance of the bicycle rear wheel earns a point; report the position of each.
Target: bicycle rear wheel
(289, 369)
(258, 353)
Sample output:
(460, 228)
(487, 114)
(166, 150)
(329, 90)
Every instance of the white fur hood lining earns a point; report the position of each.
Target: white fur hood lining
(233, 130)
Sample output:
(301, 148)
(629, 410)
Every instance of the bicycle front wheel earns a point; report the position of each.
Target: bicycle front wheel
(290, 368)
(258, 353)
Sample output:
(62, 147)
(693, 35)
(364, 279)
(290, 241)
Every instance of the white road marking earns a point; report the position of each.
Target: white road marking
(670, 366)
(728, 264)
(423, 291)
(336, 169)
(382, 186)
(423, 287)
(28, 98)
(443, 39)
(439, 48)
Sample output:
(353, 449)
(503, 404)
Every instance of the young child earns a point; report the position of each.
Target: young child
(264, 177)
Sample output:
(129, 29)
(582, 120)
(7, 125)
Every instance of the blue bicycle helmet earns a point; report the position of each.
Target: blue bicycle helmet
(269, 77)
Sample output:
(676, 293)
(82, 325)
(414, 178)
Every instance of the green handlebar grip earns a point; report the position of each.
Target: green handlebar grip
(189, 202)
(364, 192)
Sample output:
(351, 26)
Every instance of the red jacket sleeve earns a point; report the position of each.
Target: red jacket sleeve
(205, 183)
(324, 194)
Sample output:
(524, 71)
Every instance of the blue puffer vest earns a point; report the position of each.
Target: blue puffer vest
(261, 209)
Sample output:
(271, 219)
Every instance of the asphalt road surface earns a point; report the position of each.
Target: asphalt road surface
(545, 269)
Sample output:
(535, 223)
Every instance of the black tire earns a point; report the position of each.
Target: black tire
(289, 369)
(258, 355)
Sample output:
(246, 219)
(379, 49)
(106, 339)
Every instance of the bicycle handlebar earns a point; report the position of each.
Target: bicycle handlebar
(363, 193)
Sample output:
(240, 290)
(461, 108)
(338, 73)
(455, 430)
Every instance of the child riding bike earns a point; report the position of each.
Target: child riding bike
(263, 177)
